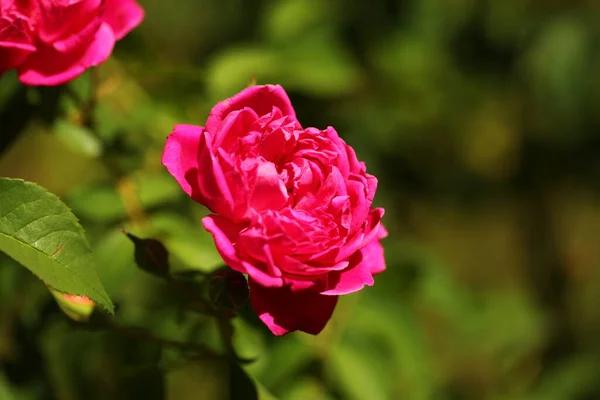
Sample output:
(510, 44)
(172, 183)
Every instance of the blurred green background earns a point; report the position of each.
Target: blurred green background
(480, 119)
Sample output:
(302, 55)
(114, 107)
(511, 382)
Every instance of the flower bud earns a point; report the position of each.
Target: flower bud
(228, 289)
(78, 308)
(150, 255)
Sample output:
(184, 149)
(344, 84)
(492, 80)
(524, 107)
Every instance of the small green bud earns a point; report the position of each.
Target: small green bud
(78, 308)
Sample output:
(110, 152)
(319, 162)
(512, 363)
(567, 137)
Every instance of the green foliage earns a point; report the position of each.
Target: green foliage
(41, 233)
(479, 120)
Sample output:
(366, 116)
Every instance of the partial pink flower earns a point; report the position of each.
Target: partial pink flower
(292, 205)
(51, 42)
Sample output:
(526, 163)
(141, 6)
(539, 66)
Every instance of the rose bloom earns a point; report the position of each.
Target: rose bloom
(292, 206)
(51, 42)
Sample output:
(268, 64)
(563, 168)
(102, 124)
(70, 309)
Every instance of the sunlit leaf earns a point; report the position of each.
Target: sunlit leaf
(40, 232)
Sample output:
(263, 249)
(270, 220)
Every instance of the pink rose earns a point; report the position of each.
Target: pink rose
(292, 205)
(50, 42)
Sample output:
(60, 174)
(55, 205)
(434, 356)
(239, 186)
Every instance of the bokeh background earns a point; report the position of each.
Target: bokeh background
(480, 119)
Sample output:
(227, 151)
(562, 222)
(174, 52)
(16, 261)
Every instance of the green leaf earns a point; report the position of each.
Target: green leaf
(40, 232)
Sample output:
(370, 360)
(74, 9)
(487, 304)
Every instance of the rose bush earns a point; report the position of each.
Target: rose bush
(50, 42)
(292, 205)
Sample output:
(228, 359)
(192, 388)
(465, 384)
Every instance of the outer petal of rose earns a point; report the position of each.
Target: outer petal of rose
(188, 157)
(353, 278)
(360, 206)
(214, 189)
(376, 252)
(225, 234)
(342, 162)
(371, 262)
(261, 99)
(11, 55)
(283, 311)
(122, 16)
(234, 126)
(68, 25)
(361, 239)
(181, 154)
(373, 257)
(49, 67)
(355, 166)
(15, 41)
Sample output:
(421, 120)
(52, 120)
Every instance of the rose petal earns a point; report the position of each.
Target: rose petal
(333, 186)
(373, 256)
(283, 311)
(225, 234)
(255, 247)
(215, 172)
(370, 231)
(383, 233)
(340, 147)
(368, 261)
(374, 253)
(122, 16)
(269, 192)
(47, 66)
(79, 37)
(181, 154)
(68, 24)
(236, 125)
(261, 99)
(15, 41)
(12, 56)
